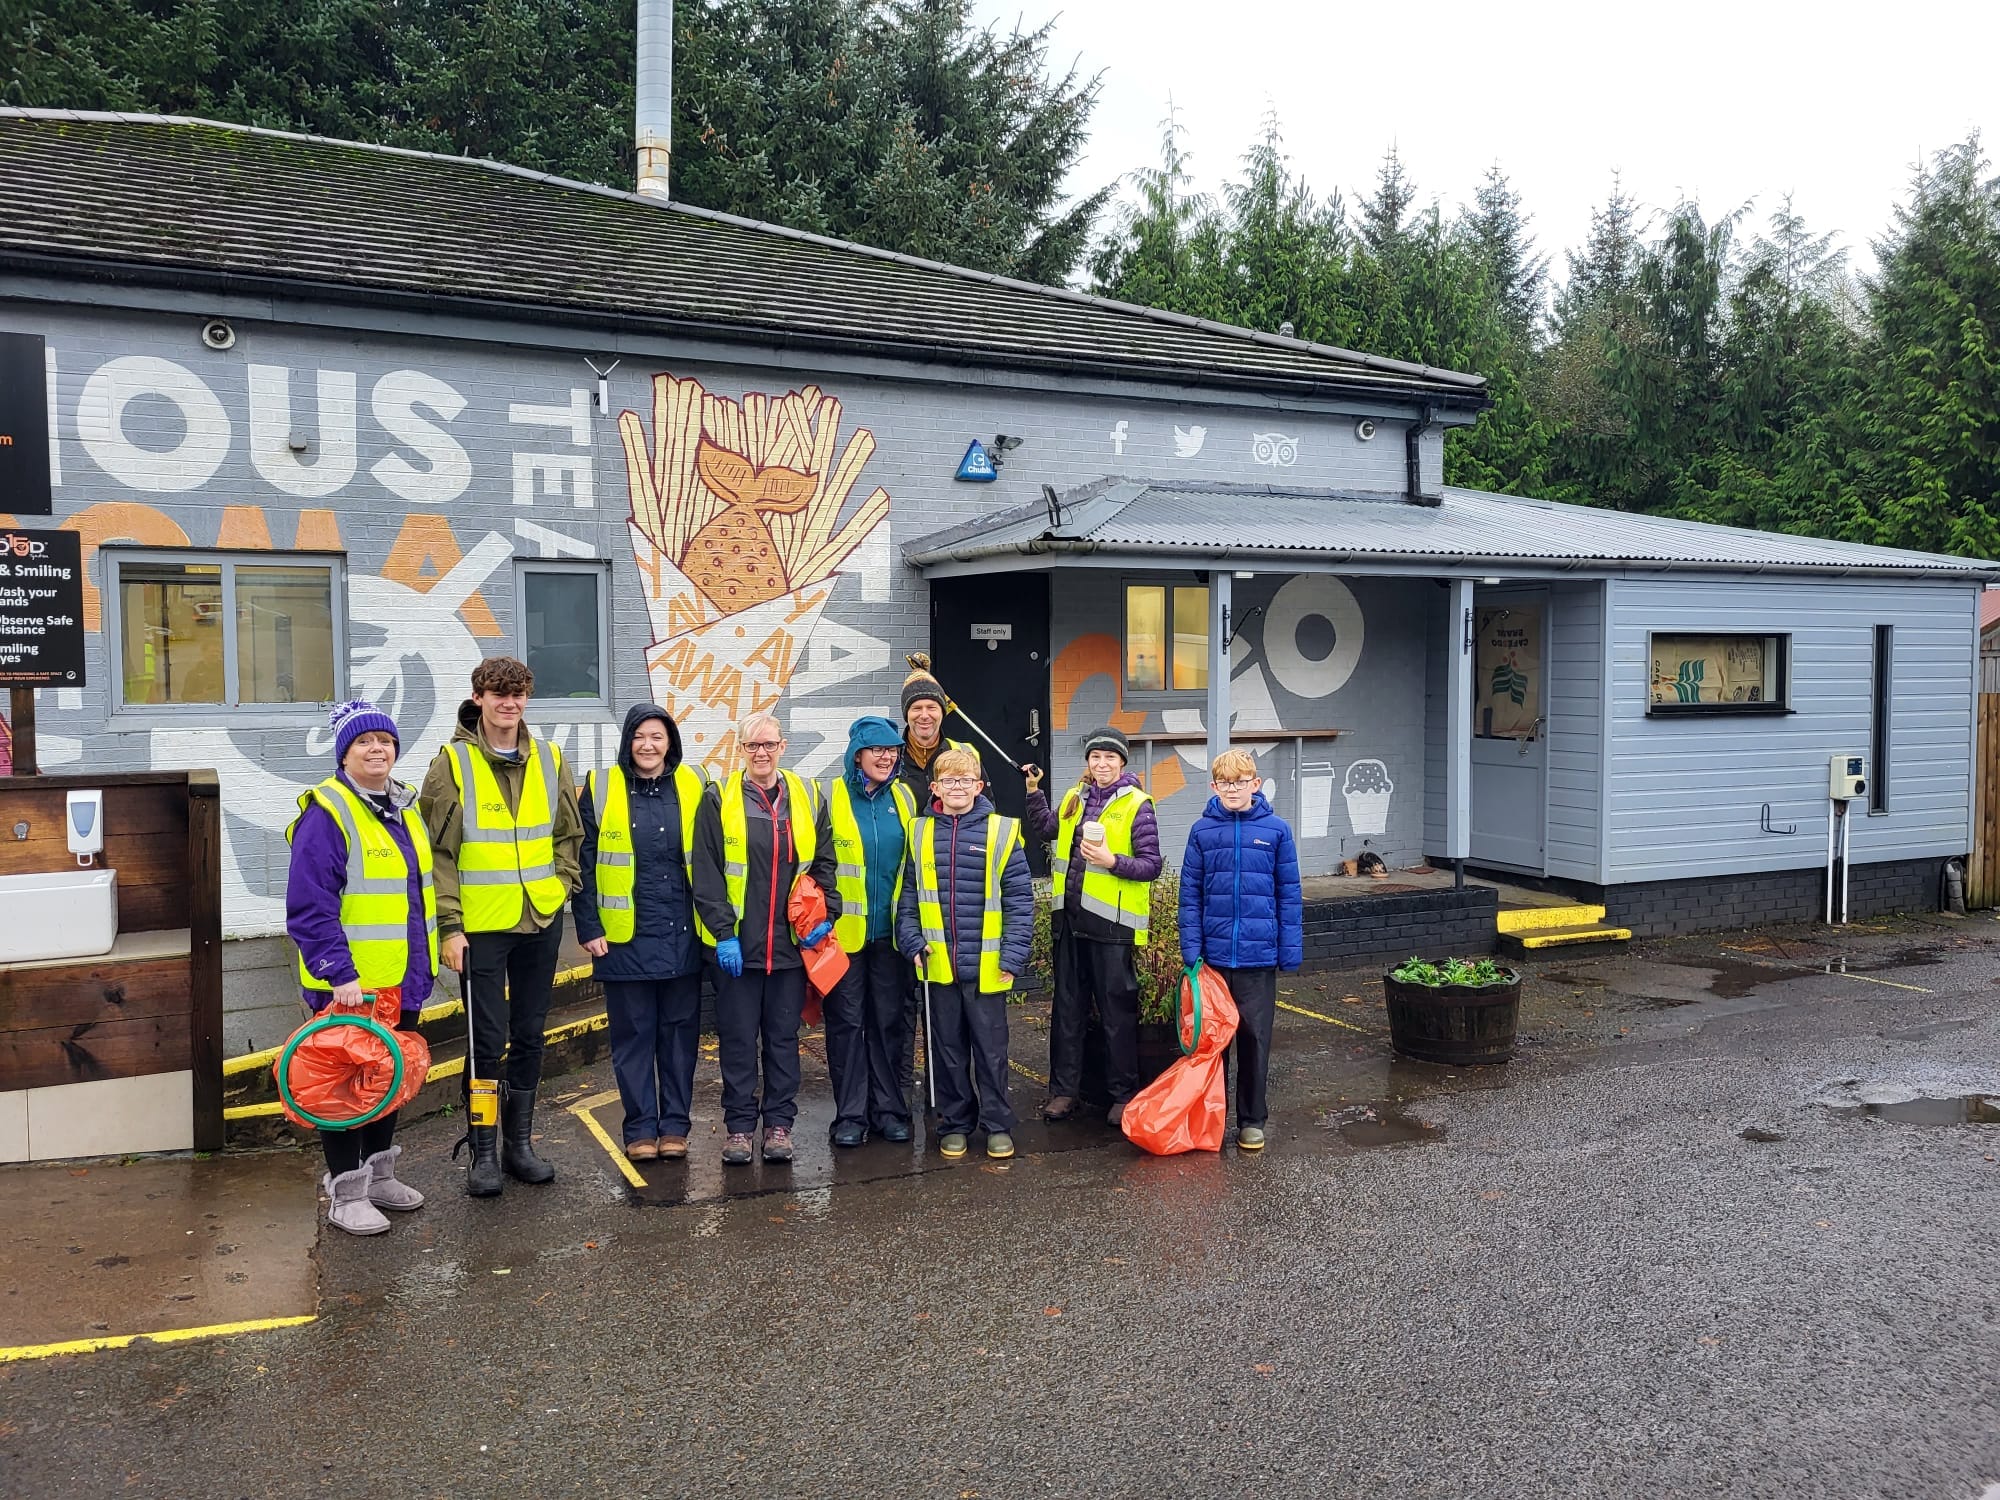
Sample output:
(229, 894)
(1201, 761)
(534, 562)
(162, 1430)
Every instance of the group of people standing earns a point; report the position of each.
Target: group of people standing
(926, 891)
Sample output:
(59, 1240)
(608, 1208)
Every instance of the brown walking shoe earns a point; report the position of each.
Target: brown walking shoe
(1061, 1107)
(645, 1150)
(777, 1144)
(672, 1147)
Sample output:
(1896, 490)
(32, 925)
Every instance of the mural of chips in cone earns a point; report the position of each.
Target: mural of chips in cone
(741, 520)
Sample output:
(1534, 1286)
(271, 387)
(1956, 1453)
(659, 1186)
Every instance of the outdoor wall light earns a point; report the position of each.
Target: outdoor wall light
(217, 334)
(1489, 582)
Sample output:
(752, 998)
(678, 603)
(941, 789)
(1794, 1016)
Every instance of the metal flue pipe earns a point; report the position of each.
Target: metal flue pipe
(653, 127)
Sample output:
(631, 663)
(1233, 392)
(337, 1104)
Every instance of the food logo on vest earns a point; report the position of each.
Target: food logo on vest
(24, 425)
(41, 609)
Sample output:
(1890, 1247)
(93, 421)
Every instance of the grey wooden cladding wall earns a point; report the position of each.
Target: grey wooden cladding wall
(1684, 794)
(1573, 699)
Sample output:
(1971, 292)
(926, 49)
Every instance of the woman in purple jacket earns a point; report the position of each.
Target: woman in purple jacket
(361, 818)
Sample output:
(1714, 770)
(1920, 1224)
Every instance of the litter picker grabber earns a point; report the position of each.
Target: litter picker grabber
(930, 1042)
(922, 663)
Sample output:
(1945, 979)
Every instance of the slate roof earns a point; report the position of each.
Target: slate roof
(1121, 520)
(200, 203)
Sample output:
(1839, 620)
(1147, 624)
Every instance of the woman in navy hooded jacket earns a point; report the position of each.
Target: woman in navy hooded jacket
(635, 918)
(1243, 914)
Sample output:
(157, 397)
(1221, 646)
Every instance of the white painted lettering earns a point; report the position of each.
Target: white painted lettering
(100, 425)
(394, 401)
(333, 434)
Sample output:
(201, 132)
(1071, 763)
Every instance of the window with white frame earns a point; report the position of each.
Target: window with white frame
(1166, 637)
(562, 630)
(196, 630)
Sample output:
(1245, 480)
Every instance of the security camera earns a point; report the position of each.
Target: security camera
(217, 334)
(1364, 430)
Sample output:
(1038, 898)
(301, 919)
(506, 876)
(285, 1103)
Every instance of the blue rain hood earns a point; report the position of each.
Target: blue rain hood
(869, 731)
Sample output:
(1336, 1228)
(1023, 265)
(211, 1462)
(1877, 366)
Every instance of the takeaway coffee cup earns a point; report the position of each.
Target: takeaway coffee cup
(1093, 832)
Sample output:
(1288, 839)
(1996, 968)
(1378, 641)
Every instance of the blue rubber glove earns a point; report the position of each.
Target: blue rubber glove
(729, 953)
(817, 936)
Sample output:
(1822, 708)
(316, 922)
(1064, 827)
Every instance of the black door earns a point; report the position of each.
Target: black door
(990, 649)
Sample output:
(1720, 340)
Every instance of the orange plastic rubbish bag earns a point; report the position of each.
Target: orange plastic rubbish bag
(825, 964)
(344, 1068)
(1186, 1108)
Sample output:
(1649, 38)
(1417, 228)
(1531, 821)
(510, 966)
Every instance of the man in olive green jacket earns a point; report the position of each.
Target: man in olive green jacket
(506, 963)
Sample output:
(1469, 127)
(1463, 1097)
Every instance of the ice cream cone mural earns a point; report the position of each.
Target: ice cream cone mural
(739, 535)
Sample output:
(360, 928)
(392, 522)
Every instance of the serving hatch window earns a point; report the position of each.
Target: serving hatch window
(1719, 673)
(1166, 638)
(218, 631)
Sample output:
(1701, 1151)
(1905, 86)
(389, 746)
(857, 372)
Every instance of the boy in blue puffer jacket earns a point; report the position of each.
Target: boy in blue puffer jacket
(1241, 910)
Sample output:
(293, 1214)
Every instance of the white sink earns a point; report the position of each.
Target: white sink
(63, 914)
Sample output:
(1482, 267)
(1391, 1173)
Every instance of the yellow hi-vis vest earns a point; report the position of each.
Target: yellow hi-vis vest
(375, 904)
(1003, 836)
(505, 856)
(1129, 903)
(617, 870)
(850, 929)
(802, 798)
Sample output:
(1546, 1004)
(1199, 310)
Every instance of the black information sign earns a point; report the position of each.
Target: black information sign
(41, 608)
(24, 425)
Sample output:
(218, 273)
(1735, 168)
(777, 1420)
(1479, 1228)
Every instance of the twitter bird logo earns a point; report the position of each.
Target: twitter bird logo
(1188, 440)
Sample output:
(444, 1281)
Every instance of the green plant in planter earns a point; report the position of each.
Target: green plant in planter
(1474, 973)
(1158, 963)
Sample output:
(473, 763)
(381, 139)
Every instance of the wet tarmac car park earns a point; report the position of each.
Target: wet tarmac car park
(1724, 1226)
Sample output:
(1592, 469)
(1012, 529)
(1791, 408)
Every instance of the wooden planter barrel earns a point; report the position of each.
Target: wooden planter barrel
(1460, 1025)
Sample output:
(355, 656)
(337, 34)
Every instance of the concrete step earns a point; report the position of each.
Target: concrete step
(1538, 940)
(1540, 918)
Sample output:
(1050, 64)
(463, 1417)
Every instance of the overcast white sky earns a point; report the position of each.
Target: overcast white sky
(1723, 102)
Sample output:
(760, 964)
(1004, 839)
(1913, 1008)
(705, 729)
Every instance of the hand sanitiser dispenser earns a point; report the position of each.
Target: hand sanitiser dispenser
(85, 825)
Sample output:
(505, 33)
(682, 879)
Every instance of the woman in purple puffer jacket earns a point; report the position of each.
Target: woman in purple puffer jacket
(344, 956)
(1103, 893)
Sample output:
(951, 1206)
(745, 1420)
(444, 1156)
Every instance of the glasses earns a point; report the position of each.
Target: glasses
(956, 783)
(1234, 786)
(764, 747)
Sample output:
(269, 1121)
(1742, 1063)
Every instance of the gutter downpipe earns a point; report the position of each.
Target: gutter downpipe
(653, 122)
(1413, 458)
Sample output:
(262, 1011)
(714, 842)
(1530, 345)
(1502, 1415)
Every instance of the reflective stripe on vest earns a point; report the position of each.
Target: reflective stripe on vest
(1002, 837)
(617, 868)
(1129, 903)
(851, 869)
(503, 856)
(375, 901)
(799, 793)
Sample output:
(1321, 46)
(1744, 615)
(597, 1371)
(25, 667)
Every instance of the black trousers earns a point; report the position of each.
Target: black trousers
(866, 1037)
(969, 1051)
(1255, 992)
(347, 1149)
(757, 1020)
(1099, 980)
(655, 1034)
(513, 979)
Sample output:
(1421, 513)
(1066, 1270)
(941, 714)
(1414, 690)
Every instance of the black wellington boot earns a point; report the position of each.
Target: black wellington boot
(483, 1179)
(517, 1137)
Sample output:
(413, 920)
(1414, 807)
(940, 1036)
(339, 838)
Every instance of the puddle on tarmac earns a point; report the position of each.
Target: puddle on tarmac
(1573, 981)
(1736, 978)
(1367, 1126)
(1960, 1109)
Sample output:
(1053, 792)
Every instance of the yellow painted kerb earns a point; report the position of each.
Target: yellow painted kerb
(165, 1336)
(1536, 940)
(1533, 918)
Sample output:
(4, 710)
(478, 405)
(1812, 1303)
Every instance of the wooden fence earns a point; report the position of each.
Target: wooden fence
(1982, 876)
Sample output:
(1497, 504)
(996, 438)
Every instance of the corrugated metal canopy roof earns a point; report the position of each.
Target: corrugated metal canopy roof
(197, 202)
(1126, 520)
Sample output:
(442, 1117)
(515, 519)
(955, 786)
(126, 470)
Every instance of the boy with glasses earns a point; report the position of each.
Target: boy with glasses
(966, 918)
(1242, 912)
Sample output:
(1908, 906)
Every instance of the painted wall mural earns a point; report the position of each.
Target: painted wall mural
(741, 525)
(1303, 663)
